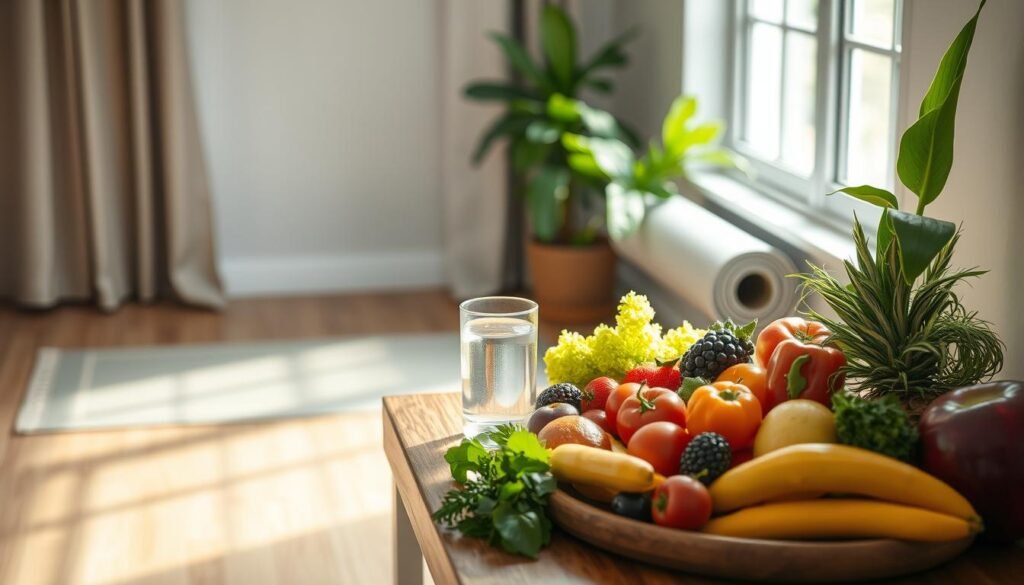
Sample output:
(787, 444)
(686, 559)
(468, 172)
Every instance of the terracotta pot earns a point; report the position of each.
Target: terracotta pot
(573, 284)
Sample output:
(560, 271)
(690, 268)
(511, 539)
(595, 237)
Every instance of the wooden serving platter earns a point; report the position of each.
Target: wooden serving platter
(746, 558)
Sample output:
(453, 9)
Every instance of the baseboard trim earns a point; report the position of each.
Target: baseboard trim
(261, 276)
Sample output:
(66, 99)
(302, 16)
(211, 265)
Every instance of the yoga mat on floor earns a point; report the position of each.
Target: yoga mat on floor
(231, 382)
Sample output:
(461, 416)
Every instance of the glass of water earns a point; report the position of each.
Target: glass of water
(499, 361)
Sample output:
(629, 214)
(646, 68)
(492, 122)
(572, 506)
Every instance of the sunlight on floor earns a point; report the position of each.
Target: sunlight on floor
(239, 502)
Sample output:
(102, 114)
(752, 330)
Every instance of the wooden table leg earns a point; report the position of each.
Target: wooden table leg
(408, 557)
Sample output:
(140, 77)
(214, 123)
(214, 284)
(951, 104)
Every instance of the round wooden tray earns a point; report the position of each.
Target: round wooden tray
(746, 558)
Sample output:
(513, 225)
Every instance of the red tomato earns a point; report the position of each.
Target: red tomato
(601, 418)
(780, 330)
(647, 406)
(596, 393)
(617, 397)
(661, 444)
(681, 502)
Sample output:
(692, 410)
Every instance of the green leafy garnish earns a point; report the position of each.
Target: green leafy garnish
(879, 425)
(689, 386)
(504, 491)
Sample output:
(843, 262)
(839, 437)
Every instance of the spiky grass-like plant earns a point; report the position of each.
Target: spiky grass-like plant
(915, 340)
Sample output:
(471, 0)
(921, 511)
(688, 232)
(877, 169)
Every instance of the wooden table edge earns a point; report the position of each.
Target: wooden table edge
(411, 493)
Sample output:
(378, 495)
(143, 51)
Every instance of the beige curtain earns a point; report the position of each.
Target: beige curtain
(103, 190)
(474, 196)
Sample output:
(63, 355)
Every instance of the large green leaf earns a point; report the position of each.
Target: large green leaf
(872, 195)
(624, 209)
(521, 60)
(610, 55)
(545, 195)
(558, 39)
(562, 108)
(585, 165)
(614, 157)
(952, 66)
(498, 90)
(884, 236)
(673, 129)
(509, 124)
(543, 132)
(598, 122)
(920, 240)
(926, 148)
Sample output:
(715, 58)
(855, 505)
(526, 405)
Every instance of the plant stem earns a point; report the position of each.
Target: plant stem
(920, 206)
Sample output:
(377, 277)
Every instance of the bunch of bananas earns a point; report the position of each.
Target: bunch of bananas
(778, 496)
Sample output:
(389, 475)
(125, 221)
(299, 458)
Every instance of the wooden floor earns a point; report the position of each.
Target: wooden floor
(295, 502)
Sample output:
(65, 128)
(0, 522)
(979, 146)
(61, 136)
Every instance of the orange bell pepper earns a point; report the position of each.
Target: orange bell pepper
(726, 408)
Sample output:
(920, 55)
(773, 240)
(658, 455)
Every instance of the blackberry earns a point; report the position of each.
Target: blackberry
(706, 458)
(564, 392)
(722, 346)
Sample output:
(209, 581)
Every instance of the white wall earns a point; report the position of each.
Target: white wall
(320, 122)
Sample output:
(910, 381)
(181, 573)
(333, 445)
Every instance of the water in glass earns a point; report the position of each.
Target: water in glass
(499, 365)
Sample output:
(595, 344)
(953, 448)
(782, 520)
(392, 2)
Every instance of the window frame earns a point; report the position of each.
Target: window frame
(835, 44)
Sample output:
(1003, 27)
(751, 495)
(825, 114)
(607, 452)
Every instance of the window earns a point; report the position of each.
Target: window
(814, 100)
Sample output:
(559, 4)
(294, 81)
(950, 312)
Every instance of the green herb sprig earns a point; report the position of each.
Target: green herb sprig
(880, 425)
(504, 492)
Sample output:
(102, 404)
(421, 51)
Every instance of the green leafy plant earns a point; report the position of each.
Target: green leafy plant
(543, 107)
(504, 492)
(899, 322)
(631, 182)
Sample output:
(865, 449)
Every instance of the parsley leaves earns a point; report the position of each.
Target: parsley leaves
(504, 492)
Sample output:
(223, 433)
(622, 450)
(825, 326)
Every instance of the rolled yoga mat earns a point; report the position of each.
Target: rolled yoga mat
(714, 265)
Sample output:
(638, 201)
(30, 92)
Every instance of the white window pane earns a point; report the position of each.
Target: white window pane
(871, 20)
(798, 133)
(868, 137)
(764, 89)
(770, 10)
(802, 13)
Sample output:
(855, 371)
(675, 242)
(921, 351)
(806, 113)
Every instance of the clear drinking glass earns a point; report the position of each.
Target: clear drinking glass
(499, 361)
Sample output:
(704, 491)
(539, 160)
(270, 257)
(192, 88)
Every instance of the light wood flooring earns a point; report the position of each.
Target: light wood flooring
(290, 503)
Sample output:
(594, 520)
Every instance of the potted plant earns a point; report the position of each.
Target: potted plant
(582, 180)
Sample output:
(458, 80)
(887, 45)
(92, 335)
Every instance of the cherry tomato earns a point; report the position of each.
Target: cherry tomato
(726, 408)
(601, 418)
(661, 444)
(617, 397)
(754, 377)
(681, 502)
(780, 330)
(646, 406)
(596, 393)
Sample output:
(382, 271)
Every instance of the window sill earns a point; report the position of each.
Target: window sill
(817, 239)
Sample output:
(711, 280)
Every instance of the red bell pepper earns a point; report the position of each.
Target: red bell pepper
(804, 370)
(780, 330)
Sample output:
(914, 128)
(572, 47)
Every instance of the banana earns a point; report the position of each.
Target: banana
(841, 518)
(837, 469)
(619, 472)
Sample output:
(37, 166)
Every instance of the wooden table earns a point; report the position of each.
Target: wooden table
(419, 429)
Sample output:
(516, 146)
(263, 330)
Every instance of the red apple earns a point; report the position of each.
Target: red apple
(973, 439)
(545, 414)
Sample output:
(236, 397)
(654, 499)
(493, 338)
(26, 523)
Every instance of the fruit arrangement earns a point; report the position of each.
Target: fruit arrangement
(815, 427)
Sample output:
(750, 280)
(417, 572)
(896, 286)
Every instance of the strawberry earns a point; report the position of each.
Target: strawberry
(656, 376)
(595, 393)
